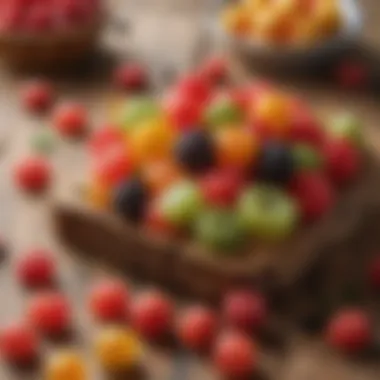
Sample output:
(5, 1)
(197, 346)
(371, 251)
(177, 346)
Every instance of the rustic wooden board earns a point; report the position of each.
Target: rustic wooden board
(165, 33)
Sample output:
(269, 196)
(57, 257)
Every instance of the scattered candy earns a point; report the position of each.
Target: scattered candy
(36, 268)
(71, 120)
(65, 364)
(50, 313)
(117, 349)
(109, 300)
(37, 96)
(152, 315)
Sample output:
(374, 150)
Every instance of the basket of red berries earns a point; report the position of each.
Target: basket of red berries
(39, 33)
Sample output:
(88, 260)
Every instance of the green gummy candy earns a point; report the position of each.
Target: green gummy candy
(223, 112)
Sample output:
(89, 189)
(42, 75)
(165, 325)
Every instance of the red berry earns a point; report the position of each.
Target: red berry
(235, 355)
(130, 76)
(342, 161)
(374, 273)
(104, 139)
(19, 343)
(313, 193)
(33, 174)
(245, 309)
(194, 87)
(109, 300)
(214, 70)
(152, 315)
(71, 120)
(221, 188)
(114, 167)
(50, 313)
(306, 129)
(352, 75)
(197, 327)
(36, 268)
(349, 331)
(37, 95)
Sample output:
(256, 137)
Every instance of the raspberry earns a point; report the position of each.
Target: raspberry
(234, 355)
(342, 161)
(313, 193)
(196, 328)
(349, 331)
(245, 309)
(33, 174)
(50, 313)
(19, 343)
(130, 76)
(152, 315)
(36, 268)
(37, 96)
(70, 120)
(109, 300)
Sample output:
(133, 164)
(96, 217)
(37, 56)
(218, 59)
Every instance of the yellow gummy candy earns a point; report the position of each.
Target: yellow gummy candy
(65, 365)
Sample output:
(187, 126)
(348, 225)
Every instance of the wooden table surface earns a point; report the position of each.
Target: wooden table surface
(164, 33)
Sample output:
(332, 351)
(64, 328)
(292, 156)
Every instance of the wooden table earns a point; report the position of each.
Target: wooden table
(162, 33)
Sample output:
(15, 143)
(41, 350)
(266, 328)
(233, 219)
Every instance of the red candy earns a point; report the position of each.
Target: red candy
(33, 174)
(214, 70)
(194, 87)
(152, 315)
(105, 138)
(374, 273)
(109, 300)
(305, 129)
(221, 188)
(36, 268)
(313, 193)
(130, 76)
(71, 120)
(37, 96)
(235, 355)
(245, 309)
(349, 331)
(342, 161)
(19, 344)
(50, 313)
(196, 328)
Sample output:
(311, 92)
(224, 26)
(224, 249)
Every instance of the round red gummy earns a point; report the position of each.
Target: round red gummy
(109, 300)
(214, 70)
(50, 313)
(105, 138)
(221, 188)
(313, 193)
(33, 174)
(130, 76)
(19, 343)
(245, 309)
(152, 315)
(37, 95)
(197, 327)
(36, 268)
(71, 120)
(195, 88)
(349, 331)
(234, 355)
(342, 161)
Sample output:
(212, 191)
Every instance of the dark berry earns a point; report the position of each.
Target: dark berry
(130, 199)
(275, 163)
(195, 151)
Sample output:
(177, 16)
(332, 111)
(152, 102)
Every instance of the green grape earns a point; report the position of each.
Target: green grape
(346, 126)
(223, 112)
(219, 229)
(306, 157)
(267, 212)
(181, 203)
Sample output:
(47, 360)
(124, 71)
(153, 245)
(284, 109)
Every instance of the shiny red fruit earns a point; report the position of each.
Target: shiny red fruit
(19, 344)
(245, 309)
(33, 174)
(130, 76)
(104, 139)
(37, 96)
(374, 273)
(50, 313)
(349, 331)
(235, 355)
(214, 70)
(313, 193)
(342, 161)
(109, 300)
(194, 87)
(197, 328)
(36, 268)
(71, 120)
(152, 315)
(221, 188)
